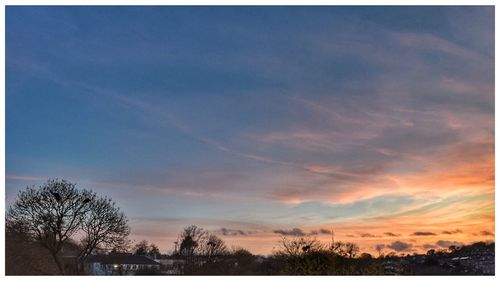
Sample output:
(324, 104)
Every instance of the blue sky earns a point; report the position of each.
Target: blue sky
(256, 118)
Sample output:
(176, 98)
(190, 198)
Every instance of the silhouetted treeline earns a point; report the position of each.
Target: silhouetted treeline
(308, 256)
(59, 229)
(201, 253)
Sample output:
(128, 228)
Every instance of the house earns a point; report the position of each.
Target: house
(170, 265)
(119, 264)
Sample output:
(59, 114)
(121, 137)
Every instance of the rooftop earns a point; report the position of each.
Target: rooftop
(120, 259)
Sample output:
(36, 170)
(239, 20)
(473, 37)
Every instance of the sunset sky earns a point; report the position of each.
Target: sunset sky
(254, 122)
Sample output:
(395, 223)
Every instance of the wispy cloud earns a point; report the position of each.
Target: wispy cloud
(452, 231)
(367, 235)
(424, 233)
(231, 232)
(486, 233)
(447, 244)
(399, 246)
(23, 178)
(291, 232)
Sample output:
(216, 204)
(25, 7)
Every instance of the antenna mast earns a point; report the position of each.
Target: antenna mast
(333, 240)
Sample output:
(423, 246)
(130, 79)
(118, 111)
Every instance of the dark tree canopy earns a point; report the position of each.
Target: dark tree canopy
(153, 250)
(348, 250)
(192, 240)
(144, 248)
(298, 246)
(141, 248)
(104, 226)
(57, 211)
(214, 246)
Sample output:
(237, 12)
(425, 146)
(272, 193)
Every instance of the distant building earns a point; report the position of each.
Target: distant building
(170, 265)
(119, 264)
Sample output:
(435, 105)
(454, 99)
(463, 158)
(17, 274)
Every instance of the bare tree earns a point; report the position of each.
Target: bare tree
(50, 214)
(351, 250)
(191, 239)
(338, 248)
(57, 211)
(103, 227)
(144, 248)
(153, 250)
(299, 246)
(214, 246)
(348, 250)
(141, 248)
(380, 248)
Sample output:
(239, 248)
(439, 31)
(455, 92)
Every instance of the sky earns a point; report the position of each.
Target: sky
(258, 122)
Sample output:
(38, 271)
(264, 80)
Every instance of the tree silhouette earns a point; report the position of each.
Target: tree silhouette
(351, 250)
(57, 211)
(298, 246)
(191, 238)
(153, 250)
(213, 247)
(103, 226)
(141, 248)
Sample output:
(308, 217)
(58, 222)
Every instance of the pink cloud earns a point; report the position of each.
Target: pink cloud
(24, 178)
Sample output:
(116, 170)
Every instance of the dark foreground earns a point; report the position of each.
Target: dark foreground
(475, 259)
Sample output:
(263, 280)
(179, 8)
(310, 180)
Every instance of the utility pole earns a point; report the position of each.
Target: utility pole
(333, 241)
(333, 249)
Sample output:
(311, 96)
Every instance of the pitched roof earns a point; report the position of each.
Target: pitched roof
(120, 259)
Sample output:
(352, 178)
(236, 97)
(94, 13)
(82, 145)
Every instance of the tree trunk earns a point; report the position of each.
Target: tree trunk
(58, 263)
(81, 265)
